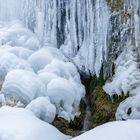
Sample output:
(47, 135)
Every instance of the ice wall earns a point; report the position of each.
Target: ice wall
(89, 32)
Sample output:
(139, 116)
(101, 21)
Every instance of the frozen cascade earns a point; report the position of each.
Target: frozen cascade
(66, 24)
(88, 32)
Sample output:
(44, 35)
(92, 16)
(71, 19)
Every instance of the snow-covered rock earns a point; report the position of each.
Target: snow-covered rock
(121, 130)
(21, 124)
(43, 109)
(23, 86)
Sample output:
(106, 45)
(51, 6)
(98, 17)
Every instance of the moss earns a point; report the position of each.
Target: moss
(103, 107)
(116, 5)
(71, 128)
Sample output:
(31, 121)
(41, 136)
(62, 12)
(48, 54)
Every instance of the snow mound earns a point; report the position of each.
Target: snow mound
(121, 130)
(43, 109)
(21, 124)
(63, 94)
(14, 34)
(22, 86)
(44, 56)
(9, 61)
(127, 81)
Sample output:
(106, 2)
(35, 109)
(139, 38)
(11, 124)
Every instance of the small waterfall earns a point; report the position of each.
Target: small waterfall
(88, 115)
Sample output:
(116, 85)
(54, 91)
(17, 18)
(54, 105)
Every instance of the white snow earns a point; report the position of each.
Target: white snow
(119, 130)
(43, 109)
(21, 124)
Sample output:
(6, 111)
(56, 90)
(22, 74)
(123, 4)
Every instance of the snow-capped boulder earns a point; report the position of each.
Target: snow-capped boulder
(23, 86)
(43, 109)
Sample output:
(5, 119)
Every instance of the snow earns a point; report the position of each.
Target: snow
(43, 109)
(119, 130)
(21, 124)
(23, 86)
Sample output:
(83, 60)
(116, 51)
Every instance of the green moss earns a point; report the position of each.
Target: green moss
(116, 5)
(71, 128)
(103, 107)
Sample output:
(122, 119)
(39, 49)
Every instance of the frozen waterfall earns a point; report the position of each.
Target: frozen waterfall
(88, 32)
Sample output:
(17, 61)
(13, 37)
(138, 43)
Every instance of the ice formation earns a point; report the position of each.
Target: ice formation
(63, 94)
(126, 81)
(9, 61)
(43, 109)
(14, 34)
(22, 86)
(44, 56)
(63, 86)
(21, 124)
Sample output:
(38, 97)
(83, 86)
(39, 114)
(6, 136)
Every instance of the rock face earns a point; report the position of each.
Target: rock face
(103, 107)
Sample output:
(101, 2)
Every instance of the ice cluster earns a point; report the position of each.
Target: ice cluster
(126, 81)
(39, 79)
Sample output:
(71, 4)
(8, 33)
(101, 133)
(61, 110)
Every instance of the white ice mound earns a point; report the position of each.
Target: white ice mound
(65, 70)
(9, 61)
(121, 130)
(43, 109)
(16, 35)
(46, 77)
(19, 51)
(21, 124)
(44, 56)
(63, 94)
(129, 109)
(22, 86)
